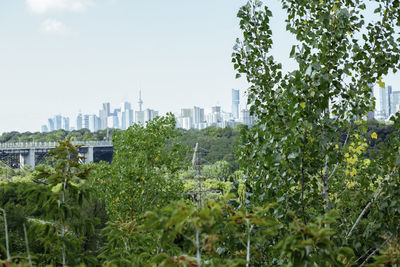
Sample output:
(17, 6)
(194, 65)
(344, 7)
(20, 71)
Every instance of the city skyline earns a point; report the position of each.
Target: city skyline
(124, 115)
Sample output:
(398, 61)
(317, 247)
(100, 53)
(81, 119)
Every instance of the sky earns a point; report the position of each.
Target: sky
(70, 56)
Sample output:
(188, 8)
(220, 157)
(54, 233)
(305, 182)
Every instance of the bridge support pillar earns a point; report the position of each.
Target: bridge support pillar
(89, 155)
(27, 159)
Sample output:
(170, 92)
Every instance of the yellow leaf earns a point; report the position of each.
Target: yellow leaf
(57, 188)
(380, 83)
(351, 185)
(312, 139)
(367, 162)
(303, 105)
(374, 135)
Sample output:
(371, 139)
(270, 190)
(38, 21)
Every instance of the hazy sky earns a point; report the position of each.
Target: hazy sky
(63, 56)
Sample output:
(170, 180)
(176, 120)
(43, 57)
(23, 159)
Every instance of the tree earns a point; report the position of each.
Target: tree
(60, 227)
(296, 155)
(143, 174)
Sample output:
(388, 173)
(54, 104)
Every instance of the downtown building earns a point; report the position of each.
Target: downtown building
(388, 103)
(197, 118)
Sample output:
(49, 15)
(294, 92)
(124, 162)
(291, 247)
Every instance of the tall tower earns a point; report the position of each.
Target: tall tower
(235, 103)
(140, 102)
(390, 108)
(79, 119)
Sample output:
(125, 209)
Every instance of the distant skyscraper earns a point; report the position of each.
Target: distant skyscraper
(93, 122)
(126, 117)
(107, 108)
(198, 115)
(384, 103)
(235, 103)
(394, 102)
(140, 102)
(58, 122)
(104, 113)
(86, 121)
(98, 123)
(51, 124)
(79, 121)
(65, 123)
(45, 129)
(389, 102)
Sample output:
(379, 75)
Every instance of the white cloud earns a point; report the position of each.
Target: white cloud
(54, 26)
(45, 6)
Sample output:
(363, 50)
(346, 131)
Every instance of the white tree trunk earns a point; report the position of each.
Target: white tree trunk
(27, 246)
(248, 244)
(6, 232)
(198, 248)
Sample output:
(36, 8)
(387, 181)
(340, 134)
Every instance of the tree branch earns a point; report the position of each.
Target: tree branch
(39, 182)
(377, 194)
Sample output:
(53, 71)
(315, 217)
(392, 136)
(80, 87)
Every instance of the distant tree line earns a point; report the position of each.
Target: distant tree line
(53, 136)
(216, 143)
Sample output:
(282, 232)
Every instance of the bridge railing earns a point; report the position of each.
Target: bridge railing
(47, 145)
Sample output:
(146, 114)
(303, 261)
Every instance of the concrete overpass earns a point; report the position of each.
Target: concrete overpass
(17, 155)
